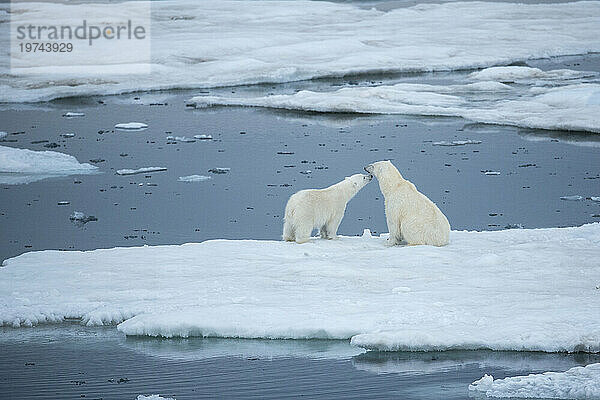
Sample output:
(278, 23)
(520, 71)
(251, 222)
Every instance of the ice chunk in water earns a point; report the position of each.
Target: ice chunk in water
(134, 126)
(193, 178)
(140, 170)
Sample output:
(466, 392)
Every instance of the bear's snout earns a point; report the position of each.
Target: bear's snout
(369, 169)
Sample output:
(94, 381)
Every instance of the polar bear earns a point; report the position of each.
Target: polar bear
(320, 208)
(410, 215)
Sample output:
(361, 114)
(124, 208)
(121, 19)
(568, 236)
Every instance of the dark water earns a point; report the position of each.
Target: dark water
(537, 168)
(75, 362)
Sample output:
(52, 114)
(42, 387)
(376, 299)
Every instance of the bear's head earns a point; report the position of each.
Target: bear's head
(359, 180)
(381, 168)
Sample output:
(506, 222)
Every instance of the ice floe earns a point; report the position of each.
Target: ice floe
(572, 198)
(182, 139)
(24, 166)
(571, 107)
(73, 114)
(518, 289)
(456, 142)
(143, 170)
(3, 135)
(219, 170)
(203, 137)
(200, 44)
(193, 178)
(82, 218)
(134, 126)
(153, 397)
(576, 383)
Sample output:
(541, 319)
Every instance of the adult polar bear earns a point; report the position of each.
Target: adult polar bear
(410, 215)
(320, 208)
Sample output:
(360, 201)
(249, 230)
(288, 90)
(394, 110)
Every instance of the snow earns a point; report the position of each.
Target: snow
(523, 74)
(140, 170)
(215, 43)
(568, 106)
(595, 198)
(3, 135)
(131, 126)
(193, 178)
(576, 383)
(518, 289)
(492, 173)
(24, 166)
(73, 114)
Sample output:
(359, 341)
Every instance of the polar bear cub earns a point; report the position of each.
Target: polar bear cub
(410, 215)
(320, 208)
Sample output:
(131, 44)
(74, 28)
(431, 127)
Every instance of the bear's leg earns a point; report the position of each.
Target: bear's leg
(323, 232)
(303, 232)
(394, 228)
(333, 225)
(288, 232)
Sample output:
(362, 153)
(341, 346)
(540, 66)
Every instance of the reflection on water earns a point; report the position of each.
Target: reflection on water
(72, 361)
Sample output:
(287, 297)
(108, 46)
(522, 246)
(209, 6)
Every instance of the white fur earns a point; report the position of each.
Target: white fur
(410, 215)
(320, 208)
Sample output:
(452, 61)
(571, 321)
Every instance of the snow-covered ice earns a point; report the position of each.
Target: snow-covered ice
(595, 198)
(24, 166)
(566, 106)
(153, 397)
(135, 126)
(456, 142)
(183, 139)
(194, 178)
(71, 114)
(142, 170)
(215, 43)
(219, 170)
(82, 218)
(518, 289)
(3, 135)
(572, 198)
(576, 383)
(203, 137)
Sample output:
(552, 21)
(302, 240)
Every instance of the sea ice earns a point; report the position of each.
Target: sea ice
(572, 198)
(153, 397)
(517, 289)
(456, 142)
(140, 170)
(82, 218)
(199, 44)
(572, 106)
(131, 126)
(193, 178)
(576, 383)
(25, 166)
(594, 198)
(73, 114)
(203, 137)
(491, 173)
(219, 170)
(3, 135)
(181, 139)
